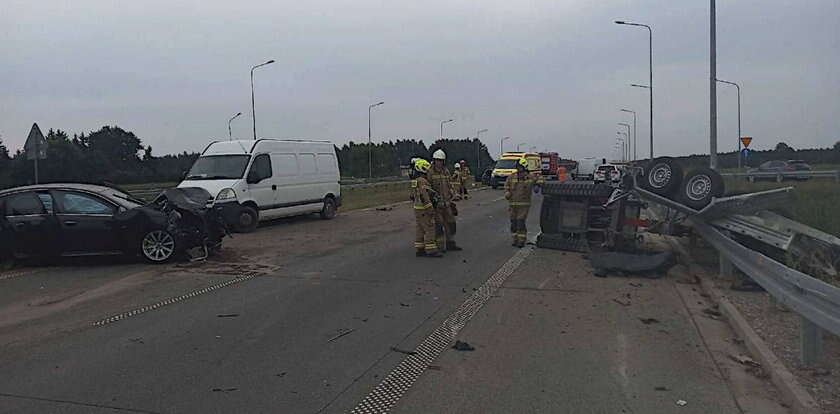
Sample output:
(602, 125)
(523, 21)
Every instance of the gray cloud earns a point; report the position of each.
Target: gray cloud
(549, 73)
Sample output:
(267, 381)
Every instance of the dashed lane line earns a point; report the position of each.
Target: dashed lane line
(166, 302)
(386, 395)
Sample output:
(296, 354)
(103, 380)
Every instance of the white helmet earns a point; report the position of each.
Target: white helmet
(439, 155)
(457, 165)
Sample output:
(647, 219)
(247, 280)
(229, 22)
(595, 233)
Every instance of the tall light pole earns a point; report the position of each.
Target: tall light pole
(623, 144)
(738, 89)
(713, 164)
(230, 134)
(478, 148)
(628, 138)
(635, 157)
(650, 81)
(518, 145)
(441, 126)
(370, 150)
(253, 115)
(502, 146)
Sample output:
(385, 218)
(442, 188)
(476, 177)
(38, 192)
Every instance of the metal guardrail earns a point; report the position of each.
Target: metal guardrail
(816, 302)
(780, 176)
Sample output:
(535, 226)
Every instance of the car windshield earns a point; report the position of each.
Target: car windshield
(506, 164)
(605, 168)
(215, 167)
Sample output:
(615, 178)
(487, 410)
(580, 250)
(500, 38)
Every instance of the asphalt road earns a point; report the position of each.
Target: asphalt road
(314, 332)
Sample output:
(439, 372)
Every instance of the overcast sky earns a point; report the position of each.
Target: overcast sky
(551, 73)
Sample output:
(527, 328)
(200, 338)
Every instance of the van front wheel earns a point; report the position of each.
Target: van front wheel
(248, 220)
(329, 210)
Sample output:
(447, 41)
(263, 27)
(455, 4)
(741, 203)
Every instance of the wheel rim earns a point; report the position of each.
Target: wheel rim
(329, 209)
(246, 220)
(698, 187)
(659, 176)
(158, 245)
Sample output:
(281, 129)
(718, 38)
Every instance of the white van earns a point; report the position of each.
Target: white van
(268, 178)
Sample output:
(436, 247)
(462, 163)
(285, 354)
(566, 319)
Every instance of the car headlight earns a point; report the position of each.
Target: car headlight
(226, 194)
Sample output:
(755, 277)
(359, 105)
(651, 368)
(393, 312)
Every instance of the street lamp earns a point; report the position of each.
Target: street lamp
(370, 156)
(635, 157)
(230, 134)
(628, 138)
(441, 126)
(650, 81)
(738, 89)
(253, 116)
(502, 146)
(623, 144)
(713, 164)
(518, 145)
(478, 148)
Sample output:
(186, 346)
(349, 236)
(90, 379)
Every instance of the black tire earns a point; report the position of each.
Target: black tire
(699, 187)
(158, 246)
(662, 176)
(330, 209)
(247, 220)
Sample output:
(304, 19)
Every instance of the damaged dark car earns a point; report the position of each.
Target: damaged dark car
(84, 220)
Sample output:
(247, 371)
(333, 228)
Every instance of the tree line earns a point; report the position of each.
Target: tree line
(782, 151)
(114, 155)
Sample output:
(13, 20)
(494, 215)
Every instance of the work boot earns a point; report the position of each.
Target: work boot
(433, 254)
(452, 246)
(515, 243)
(420, 253)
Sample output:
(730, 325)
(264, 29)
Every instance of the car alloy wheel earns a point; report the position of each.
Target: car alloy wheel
(158, 246)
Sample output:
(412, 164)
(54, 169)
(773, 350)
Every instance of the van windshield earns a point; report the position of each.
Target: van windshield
(506, 164)
(216, 167)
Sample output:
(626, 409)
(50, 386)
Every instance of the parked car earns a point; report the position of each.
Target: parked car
(780, 170)
(268, 178)
(607, 173)
(85, 219)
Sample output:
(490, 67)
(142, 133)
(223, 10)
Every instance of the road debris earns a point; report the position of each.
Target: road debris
(405, 305)
(622, 303)
(652, 266)
(662, 388)
(744, 360)
(387, 208)
(463, 346)
(347, 332)
(682, 403)
(224, 389)
(712, 314)
(227, 315)
(638, 285)
(403, 351)
(648, 321)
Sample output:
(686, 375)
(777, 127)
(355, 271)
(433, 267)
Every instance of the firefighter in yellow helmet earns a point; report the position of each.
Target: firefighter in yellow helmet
(424, 213)
(465, 179)
(456, 182)
(518, 189)
(440, 179)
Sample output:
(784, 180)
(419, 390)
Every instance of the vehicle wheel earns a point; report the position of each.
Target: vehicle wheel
(248, 220)
(158, 246)
(700, 186)
(329, 210)
(663, 176)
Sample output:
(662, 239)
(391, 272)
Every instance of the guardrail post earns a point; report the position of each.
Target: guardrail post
(837, 176)
(810, 342)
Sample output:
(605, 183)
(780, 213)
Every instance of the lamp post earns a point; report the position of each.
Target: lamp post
(635, 157)
(478, 148)
(713, 164)
(628, 138)
(370, 150)
(253, 115)
(502, 146)
(738, 89)
(518, 145)
(441, 126)
(230, 134)
(623, 144)
(650, 65)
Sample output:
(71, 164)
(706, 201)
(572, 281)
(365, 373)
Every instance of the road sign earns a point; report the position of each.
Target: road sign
(36, 145)
(746, 141)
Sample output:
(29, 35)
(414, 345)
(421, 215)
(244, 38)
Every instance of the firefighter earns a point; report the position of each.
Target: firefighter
(518, 188)
(456, 182)
(440, 179)
(465, 177)
(424, 212)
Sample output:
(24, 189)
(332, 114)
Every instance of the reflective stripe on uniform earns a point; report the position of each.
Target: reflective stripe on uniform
(423, 207)
(519, 203)
(418, 245)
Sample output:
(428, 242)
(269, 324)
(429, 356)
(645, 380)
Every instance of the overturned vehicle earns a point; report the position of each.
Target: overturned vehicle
(83, 220)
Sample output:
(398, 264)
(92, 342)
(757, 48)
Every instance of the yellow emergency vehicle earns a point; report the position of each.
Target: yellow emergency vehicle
(506, 165)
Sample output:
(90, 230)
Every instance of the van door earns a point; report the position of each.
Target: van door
(287, 178)
(260, 183)
(311, 192)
